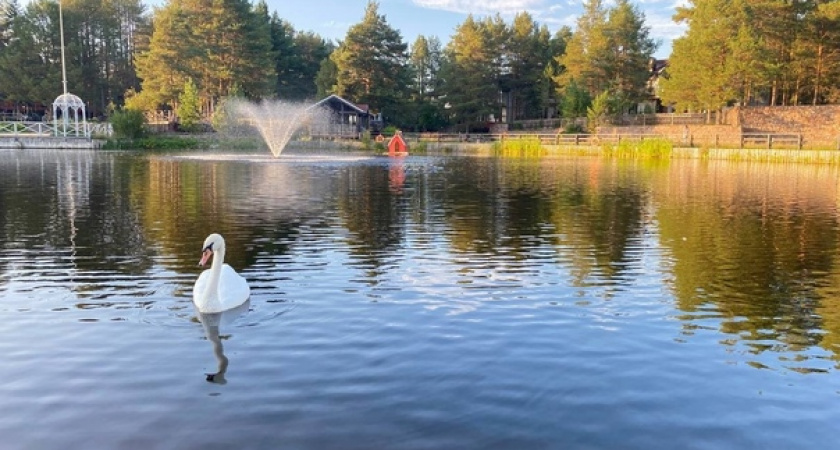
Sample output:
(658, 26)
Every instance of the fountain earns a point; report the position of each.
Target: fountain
(276, 120)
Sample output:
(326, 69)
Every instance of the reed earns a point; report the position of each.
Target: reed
(529, 147)
(647, 149)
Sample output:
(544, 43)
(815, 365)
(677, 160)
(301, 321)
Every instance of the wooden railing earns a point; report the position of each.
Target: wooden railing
(626, 119)
(745, 140)
(768, 140)
(48, 129)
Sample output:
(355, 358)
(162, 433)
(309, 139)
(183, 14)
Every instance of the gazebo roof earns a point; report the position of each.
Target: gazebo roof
(68, 100)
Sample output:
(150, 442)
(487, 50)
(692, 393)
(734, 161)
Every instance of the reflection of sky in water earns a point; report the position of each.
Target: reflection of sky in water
(476, 293)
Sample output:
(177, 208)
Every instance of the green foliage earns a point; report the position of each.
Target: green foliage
(514, 147)
(576, 100)
(99, 65)
(188, 112)
(152, 143)
(365, 139)
(701, 60)
(419, 147)
(660, 149)
(573, 128)
(597, 113)
(472, 58)
(298, 60)
(128, 123)
(230, 45)
(372, 65)
(609, 50)
(327, 78)
(425, 112)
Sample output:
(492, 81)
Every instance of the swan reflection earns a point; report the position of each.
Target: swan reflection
(211, 322)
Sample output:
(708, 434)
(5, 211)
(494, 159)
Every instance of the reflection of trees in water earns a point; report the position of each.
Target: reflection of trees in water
(258, 208)
(756, 241)
(754, 245)
(374, 213)
(76, 205)
(513, 206)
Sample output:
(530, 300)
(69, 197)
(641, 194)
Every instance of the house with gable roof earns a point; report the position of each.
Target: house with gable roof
(346, 119)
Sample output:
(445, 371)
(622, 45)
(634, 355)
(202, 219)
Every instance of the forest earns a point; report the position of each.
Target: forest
(122, 54)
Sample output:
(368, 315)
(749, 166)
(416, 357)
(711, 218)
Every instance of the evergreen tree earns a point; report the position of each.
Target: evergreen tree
(231, 46)
(298, 60)
(99, 69)
(587, 43)
(471, 75)
(576, 101)
(189, 113)
(820, 33)
(528, 53)
(700, 61)
(327, 78)
(372, 65)
(629, 50)
(426, 61)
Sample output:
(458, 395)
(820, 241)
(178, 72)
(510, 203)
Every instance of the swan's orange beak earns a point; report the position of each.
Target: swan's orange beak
(205, 256)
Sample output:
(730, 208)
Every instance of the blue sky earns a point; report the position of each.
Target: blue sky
(332, 18)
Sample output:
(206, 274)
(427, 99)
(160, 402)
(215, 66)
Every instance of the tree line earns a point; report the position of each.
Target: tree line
(120, 54)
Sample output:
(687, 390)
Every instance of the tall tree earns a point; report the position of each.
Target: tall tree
(426, 61)
(471, 74)
(310, 50)
(700, 61)
(528, 54)
(628, 52)
(372, 65)
(327, 78)
(587, 43)
(231, 47)
(98, 52)
(822, 41)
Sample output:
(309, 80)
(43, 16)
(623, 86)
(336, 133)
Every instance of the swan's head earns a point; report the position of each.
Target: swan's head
(213, 243)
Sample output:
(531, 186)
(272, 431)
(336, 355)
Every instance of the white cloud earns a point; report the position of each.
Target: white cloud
(481, 7)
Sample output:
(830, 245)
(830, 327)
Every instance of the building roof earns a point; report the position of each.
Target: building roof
(363, 109)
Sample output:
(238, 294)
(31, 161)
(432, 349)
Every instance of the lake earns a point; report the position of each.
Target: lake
(426, 302)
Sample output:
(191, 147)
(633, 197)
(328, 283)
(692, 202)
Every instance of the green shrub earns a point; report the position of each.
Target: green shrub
(188, 111)
(128, 124)
(573, 128)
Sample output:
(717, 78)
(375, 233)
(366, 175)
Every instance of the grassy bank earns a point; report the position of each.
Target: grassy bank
(153, 143)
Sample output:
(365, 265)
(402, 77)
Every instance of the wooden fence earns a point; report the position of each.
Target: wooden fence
(734, 140)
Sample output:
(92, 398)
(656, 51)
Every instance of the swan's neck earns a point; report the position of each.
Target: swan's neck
(215, 273)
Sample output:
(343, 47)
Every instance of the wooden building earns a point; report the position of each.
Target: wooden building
(344, 119)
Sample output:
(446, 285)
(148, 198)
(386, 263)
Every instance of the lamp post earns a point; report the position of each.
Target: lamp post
(68, 103)
(63, 68)
(61, 30)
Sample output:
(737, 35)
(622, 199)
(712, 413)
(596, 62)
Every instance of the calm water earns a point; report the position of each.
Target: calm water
(421, 303)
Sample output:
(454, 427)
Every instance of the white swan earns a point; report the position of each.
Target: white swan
(218, 288)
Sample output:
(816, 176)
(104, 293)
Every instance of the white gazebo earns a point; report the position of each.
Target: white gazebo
(72, 117)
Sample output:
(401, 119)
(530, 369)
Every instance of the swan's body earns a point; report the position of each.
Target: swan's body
(218, 288)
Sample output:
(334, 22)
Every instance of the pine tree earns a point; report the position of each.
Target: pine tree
(629, 50)
(699, 69)
(471, 74)
(372, 65)
(587, 43)
(231, 46)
